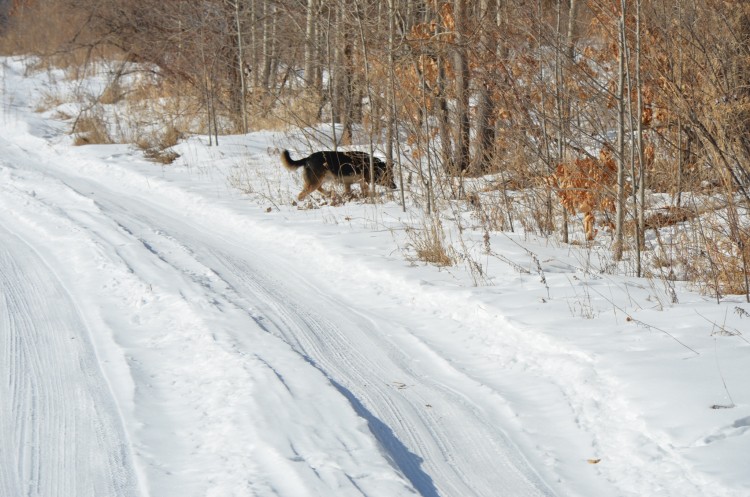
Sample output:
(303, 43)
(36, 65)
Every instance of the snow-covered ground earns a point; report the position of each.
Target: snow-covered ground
(164, 334)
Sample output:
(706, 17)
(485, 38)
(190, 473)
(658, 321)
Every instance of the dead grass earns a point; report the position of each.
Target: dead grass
(164, 157)
(91, 130)
(242, 179)
(112, 94)
(429, 244)
(157, 145)
(698, 249)
(265, 113)
(726, 266)
(159, 140)
(49, 101)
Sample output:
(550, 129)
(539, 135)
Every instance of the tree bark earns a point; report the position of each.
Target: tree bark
(241, 92)
(461, 158)
(485, 105)
(641, 221)
(269, 43)
(310, 45)
(617, 249)
(342, 90)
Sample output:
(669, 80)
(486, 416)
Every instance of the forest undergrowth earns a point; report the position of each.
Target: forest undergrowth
(619, 128)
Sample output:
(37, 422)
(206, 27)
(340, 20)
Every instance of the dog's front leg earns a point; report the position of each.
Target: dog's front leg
(365, 188)
(347, 190)
(324, 192)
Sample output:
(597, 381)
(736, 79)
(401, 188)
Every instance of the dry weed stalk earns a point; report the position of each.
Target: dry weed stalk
(727, 263)
(429, 243)
(91, 129)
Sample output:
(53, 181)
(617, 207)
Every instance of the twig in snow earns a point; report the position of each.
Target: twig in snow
(723, 381)
(646, 325)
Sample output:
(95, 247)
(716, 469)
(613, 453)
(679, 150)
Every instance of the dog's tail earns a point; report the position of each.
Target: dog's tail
(290, 163)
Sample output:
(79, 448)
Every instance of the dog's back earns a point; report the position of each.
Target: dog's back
(358, 163)
(338, 163)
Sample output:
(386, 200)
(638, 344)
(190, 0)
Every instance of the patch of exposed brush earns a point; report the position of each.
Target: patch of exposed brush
(429, 244)
(91, 129)
(157, 146)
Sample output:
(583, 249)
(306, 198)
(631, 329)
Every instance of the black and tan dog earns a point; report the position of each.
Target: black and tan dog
(340, 167)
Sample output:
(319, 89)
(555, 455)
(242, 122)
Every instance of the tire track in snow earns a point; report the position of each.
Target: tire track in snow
(60, 429)
(206, 412)
(208, 287)
(454, 448)
(437, 436)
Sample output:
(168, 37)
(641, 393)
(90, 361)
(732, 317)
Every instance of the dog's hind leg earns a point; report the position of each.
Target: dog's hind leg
(307, 190)
(312, 183)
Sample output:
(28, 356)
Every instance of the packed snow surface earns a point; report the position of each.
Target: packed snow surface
(188, 330)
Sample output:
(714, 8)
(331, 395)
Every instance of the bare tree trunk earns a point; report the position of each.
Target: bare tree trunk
(241, 103)
(545, 153)
(485, 105)
(461, 69)
(207, 85)
(340, 69)
(266, 45)
(269, 43)
(336, 79)
(501, 54)
(310, 45)
(390, 93)
(617, 248)
(560, 106)
(274, 57)
(441, 105)
(254, 43)
(680, 151)
(641, 222)
(572, 21)
(368, 91)
(560, 88)
(427, 181)
(392, 130)
(570, 53)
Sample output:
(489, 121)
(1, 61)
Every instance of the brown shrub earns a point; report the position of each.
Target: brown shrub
(91, 130)
(586, 186)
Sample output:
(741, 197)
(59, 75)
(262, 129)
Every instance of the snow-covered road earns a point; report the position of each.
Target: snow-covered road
(238, 367)
(162, 335)
(58, 414)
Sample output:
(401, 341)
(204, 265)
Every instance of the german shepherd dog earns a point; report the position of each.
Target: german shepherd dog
(341, 167)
